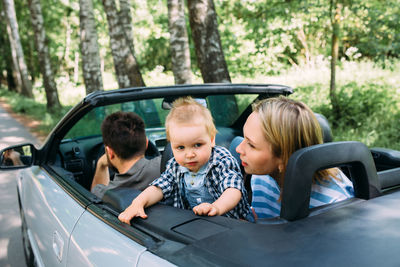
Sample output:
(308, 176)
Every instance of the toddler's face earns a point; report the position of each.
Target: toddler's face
(191, 144)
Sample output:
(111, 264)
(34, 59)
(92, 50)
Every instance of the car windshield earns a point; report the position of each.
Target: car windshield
(226, 109)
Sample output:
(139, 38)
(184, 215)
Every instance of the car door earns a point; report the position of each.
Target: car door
(50, 214)
(95, 243)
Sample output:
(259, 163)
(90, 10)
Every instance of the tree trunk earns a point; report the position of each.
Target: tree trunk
(89, 48)
(49, 83)
(179, 44)
(5, 50)
(16, 47)
(126, 67)
(301, 36)
(334, 56)
(11, 79)
(204, 26)
(16, 74)
(125, 16)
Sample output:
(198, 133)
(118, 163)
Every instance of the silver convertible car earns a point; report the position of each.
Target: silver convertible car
(64, 224)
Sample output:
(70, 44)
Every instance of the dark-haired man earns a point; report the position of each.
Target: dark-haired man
(125, 144)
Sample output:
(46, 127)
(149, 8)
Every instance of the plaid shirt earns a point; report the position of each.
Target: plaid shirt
(223, 172)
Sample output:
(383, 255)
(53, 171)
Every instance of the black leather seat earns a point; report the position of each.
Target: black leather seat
(326, 128)
(303, 164)
(166, 156)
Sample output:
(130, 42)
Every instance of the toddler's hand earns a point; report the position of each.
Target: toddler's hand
(130, 212)
(206, 209)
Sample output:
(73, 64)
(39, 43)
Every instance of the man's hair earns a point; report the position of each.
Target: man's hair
(187, 110)
(124, 132)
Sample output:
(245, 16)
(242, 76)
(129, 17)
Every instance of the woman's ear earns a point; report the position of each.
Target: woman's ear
(281, 167)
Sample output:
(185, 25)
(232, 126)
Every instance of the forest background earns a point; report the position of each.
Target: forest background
(340, 56)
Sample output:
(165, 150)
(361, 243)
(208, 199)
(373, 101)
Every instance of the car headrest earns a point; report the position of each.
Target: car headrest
(326, 129)
(166, 156)
(121, 197)
(151, 150)
(232, 148)
(303, 164)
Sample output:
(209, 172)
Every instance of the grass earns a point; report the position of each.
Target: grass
(369, 98)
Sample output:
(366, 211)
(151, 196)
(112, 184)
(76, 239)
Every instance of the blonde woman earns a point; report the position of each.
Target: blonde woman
(276, 128)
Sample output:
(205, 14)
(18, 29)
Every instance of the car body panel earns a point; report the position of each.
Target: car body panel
(50, 214)
(94, 244)
(362, 233)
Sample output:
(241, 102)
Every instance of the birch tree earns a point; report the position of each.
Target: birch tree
(8, 65)
(89, 48)
(336, 9)
(125, 16)
(126, 66)
(49, 83)
(210, 56)
(16, 49)
(179, 44)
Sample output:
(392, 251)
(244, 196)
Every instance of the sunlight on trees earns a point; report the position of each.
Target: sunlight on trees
(262, 41)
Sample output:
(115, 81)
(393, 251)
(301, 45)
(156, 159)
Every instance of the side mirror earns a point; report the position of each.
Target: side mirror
(17, 157)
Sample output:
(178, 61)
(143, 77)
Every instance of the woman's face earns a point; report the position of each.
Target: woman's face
(255, 152)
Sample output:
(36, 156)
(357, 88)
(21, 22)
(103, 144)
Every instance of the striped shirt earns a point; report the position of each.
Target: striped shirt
(266, 193)
(222, 172)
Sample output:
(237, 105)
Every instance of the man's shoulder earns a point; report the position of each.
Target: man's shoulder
(153, 161)
(151, 165)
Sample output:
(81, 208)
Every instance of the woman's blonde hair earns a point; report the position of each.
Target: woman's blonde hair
(289, 125)
(188, 110)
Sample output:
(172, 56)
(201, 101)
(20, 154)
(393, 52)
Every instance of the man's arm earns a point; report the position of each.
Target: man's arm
(14, 156)
(101, 176)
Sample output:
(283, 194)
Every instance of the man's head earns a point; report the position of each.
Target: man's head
(124, 133)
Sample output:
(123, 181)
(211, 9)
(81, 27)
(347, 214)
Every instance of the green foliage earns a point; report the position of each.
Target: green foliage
(258, 36)
(31, 108)
(151, 34)
(271, 36)
(369, 113)
(274, 41)
(373, 28)
(369, 103)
